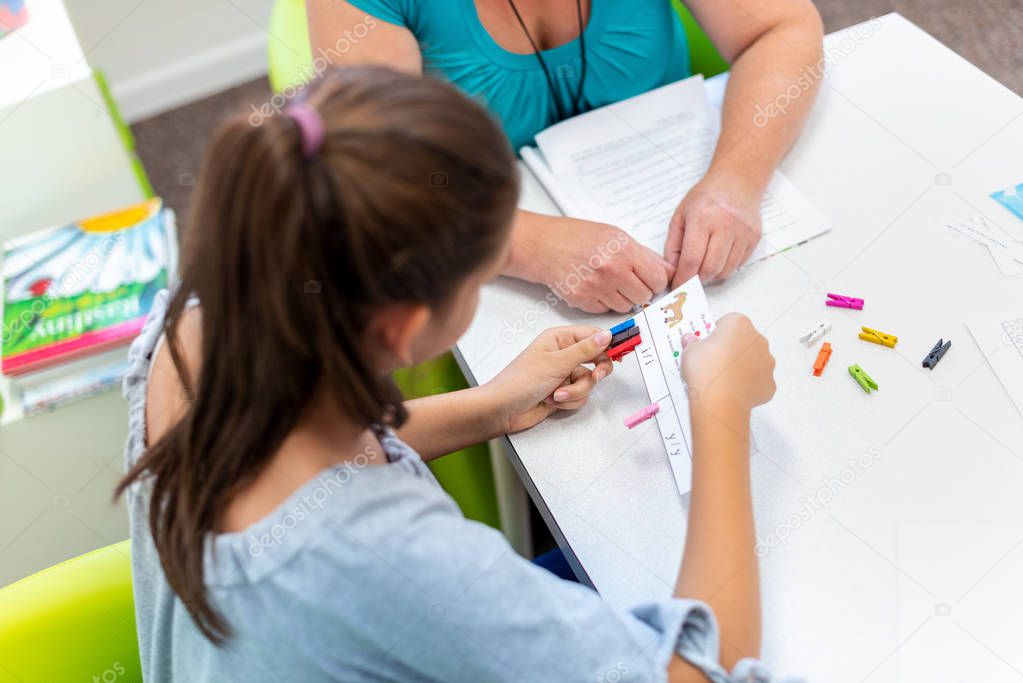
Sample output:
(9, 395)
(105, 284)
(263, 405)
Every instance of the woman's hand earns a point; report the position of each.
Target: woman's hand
(593, 266)
(731, 371)
(713, 231)
(549, 376)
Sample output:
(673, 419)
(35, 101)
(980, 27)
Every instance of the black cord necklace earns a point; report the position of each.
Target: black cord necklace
(543, 63)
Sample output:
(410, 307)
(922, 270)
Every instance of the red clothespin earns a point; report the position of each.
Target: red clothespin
(842, 301)
(616, 353)
(822, 359)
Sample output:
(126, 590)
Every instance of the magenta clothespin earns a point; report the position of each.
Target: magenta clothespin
(842, 301)
(642, 416)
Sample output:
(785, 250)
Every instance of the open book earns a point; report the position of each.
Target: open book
(630, 164)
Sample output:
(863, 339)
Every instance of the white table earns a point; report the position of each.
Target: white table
(913, 571)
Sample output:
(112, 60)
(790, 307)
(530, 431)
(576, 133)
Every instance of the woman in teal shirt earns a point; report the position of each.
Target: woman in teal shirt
(632, 47)
(535, 62)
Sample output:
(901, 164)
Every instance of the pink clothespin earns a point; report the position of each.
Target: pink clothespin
(642, 416)
(842, 301)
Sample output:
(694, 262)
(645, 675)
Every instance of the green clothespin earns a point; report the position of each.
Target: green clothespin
(862, 378)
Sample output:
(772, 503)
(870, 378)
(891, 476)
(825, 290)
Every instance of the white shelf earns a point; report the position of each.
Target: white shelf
(63, 159)
(42, 55)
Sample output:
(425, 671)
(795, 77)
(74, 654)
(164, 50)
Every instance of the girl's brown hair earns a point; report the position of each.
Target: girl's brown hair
(412, 191)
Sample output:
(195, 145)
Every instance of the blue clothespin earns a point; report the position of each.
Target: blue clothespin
(621, 327)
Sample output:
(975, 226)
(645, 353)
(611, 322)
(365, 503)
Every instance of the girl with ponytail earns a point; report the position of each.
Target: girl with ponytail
(284, 525)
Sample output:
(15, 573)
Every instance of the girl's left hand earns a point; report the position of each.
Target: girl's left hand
(549, 376)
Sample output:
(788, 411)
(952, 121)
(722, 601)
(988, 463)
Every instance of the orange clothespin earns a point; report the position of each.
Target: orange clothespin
(878, 337)
(822, 359)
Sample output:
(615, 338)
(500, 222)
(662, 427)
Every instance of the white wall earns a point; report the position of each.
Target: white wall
(159, 54)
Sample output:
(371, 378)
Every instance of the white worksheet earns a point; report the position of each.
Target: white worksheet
(662, 325)
(1000, 338)
(630, 164)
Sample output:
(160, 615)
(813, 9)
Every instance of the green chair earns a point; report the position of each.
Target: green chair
(72, 622)
(704, 58)
(289, 54)
(466, 475)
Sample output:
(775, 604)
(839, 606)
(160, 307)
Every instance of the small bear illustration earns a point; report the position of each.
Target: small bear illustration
(673, 311)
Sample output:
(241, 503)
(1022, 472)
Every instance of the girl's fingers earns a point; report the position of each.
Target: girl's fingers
(581, 382)
(550, 397)
(572, 405)
(602, 368)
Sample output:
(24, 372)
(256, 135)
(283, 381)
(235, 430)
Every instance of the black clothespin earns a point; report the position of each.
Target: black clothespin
(623, 336)
(936, 353)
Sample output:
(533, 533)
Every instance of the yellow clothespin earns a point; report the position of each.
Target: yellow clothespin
(877, 337)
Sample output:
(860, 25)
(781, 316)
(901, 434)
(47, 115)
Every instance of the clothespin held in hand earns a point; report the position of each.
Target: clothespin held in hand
(624, 341)
(842, 301)
(815, 333)
(878, 337)
(865, 381)
(621, 327)
(937, 353)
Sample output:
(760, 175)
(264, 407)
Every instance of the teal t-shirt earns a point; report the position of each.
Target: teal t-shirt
(631, 47)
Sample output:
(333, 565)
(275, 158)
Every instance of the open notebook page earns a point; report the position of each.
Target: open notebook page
(630, 163)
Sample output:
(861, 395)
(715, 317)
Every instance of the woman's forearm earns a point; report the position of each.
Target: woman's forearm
(526, 252)
(444, 423)
(770, 92)
(719, 565)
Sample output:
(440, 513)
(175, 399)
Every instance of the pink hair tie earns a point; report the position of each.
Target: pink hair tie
(310, 126)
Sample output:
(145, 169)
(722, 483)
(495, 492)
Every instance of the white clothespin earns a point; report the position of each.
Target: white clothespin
(818, 331)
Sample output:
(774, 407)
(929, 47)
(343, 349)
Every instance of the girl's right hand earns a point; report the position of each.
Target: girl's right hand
(732, 369)
(550, 376)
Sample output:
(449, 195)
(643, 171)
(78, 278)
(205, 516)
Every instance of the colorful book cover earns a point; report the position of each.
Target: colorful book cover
(13, 14)
(85, 287)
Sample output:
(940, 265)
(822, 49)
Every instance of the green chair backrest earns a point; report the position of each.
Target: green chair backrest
(704, 58)
(72, 622)
(290, 57)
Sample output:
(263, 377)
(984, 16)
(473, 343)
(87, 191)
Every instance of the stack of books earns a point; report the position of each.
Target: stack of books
(75, 296)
